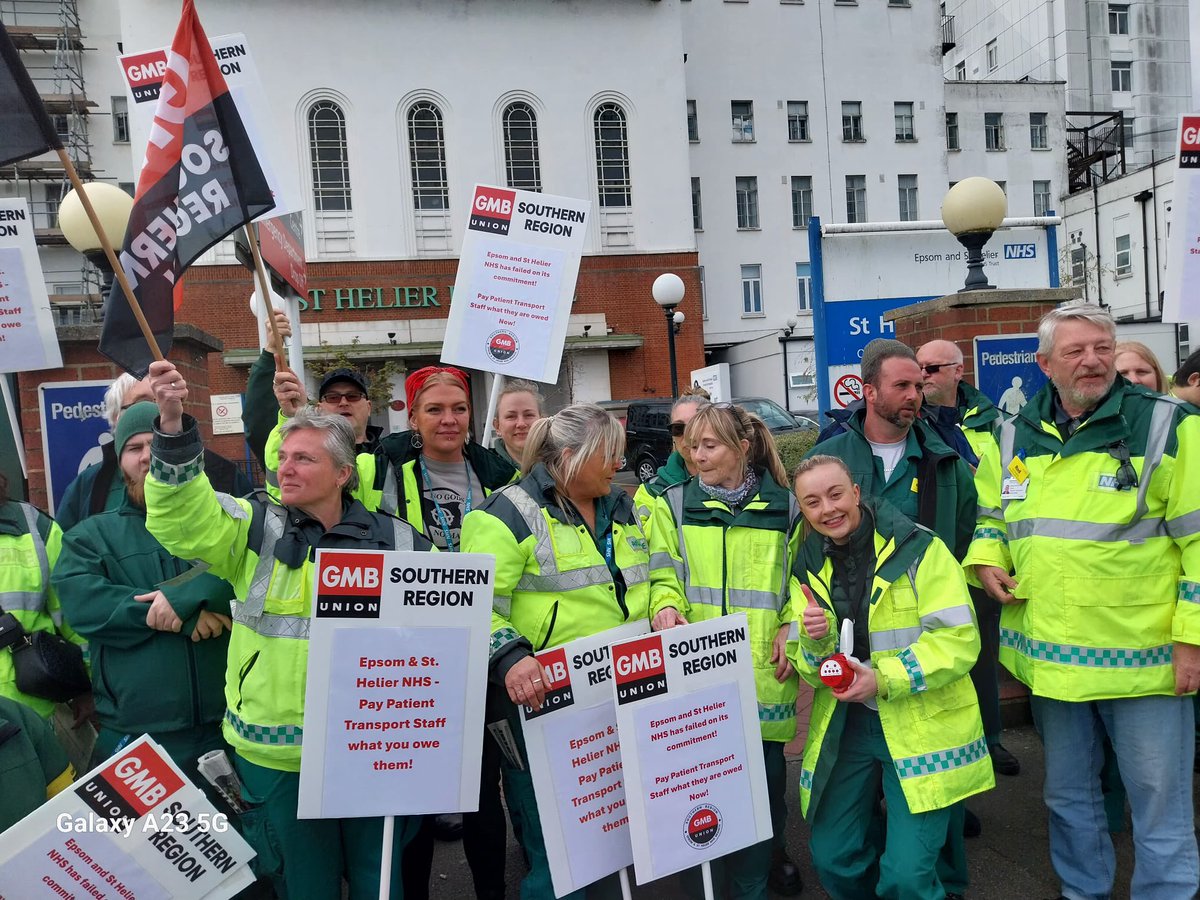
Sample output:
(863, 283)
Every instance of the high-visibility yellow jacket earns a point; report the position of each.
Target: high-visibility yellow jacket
(1109, 571)
(924, 640)
(707, 561)
(265, 551)
(553, 584)
(30, 543)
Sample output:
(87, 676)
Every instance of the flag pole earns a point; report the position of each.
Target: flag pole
(118, 269)
(264, 291)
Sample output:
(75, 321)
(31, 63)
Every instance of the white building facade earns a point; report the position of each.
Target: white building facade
(1132, 57)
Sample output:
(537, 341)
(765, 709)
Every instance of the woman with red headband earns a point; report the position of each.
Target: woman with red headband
(432, 476)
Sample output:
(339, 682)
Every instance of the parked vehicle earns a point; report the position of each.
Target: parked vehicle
(648, 429)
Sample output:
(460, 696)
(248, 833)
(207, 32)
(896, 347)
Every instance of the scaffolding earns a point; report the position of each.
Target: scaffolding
(50, 39)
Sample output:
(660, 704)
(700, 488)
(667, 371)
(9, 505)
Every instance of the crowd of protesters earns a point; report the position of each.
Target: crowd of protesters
(928, 536)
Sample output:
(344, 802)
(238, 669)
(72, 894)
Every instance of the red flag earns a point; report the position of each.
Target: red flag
(200, 180)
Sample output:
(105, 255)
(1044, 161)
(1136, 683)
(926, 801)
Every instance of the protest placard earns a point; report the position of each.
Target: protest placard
(575, 760)
(397, 671)
(28, 340)
(516, 278)
(687, 717)
(133, 828)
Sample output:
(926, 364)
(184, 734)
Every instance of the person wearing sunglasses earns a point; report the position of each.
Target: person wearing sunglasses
(962, 415)
(679, 466)
(718, 545)
(1089, 536)
(571, 561)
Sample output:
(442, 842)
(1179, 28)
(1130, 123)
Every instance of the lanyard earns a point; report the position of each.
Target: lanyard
(441, 513)
(608, 548)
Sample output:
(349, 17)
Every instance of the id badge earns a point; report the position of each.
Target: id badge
(1011, 489)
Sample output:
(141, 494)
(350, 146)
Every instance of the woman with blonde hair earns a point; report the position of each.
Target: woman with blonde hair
(571, 561)
(719, 545)
(517, 408)
(1137, 364)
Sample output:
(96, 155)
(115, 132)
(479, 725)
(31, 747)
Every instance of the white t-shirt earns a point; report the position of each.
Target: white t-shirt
(890, 455)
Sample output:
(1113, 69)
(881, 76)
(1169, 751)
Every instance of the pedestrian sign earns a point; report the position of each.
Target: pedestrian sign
(1006, 370)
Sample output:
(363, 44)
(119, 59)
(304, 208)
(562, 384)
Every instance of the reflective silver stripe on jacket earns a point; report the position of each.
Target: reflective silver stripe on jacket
(638, 573)
(402, 534)
(531, 514)
(250, 611)
(667, 561)
(674, 497)
(571, 580)
(1100, 532)
(1008, 443)
(390, 501)
(1156, 444)
(31, 601)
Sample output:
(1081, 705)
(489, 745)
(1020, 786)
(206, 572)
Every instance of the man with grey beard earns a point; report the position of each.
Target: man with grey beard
(1089, 534)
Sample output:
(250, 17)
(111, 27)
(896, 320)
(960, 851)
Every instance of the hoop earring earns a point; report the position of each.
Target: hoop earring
(416, 441)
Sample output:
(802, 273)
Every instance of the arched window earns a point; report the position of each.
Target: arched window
(330, 161)
(521, 163)
(612, 156)
(427, 154)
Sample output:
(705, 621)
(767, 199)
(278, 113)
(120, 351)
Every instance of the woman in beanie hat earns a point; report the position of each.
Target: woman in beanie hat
(432, 476)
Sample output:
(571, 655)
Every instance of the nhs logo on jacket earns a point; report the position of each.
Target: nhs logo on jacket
(1020, 251)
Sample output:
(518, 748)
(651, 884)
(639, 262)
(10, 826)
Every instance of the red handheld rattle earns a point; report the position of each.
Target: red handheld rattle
(837, 673)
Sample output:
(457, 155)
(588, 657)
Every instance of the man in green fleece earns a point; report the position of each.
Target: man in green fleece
(157, 630)
(33, 766)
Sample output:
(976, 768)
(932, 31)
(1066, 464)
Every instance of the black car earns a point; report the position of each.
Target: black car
(648, 429)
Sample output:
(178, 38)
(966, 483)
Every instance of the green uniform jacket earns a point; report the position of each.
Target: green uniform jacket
(30, 543)
(144, 680)
(924, 641)
(674, 472)
(707, 561)
(553, 584)
(977, 416)
(1110, 575)
(33, 766)
(266, 552)
(932, 485)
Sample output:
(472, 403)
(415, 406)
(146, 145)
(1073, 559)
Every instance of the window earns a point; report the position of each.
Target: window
(960, 71)
(852, 129)
(752, 304)
(1127, 132)
(907, 188)
(747, 201)
(1042, 202)
(120, 120)
(703, 295)
(952, 131)
(612, 156)
(993, 56)
(904, 122)
(993, 131)
(802, 200)
(1118, 18)
(330, 161)
(521, 160)
(797, 112)
(742, 112)
(856, 198)
(1037, 131)
(693, 123)
(697, 214)
(1122, 77)
(54, 194)
(803, 287)
(1078, 264)
(427, 157)
(1123, 256)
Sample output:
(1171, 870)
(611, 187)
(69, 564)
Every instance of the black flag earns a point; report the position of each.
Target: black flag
(25, 129)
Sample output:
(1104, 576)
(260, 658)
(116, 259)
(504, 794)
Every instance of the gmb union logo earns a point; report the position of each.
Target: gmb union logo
(503, 346)
(703, 825)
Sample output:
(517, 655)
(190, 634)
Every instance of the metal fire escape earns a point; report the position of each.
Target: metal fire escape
(1095, 148)
(50, 40)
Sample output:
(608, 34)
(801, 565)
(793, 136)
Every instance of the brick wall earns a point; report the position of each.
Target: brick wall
(82, 362)
(962, 317)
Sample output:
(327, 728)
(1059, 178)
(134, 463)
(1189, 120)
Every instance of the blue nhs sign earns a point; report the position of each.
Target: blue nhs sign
(1020, 251)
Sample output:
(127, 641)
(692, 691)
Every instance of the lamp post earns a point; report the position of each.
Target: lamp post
(972, 210)
(112, 206)
(668, 292)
